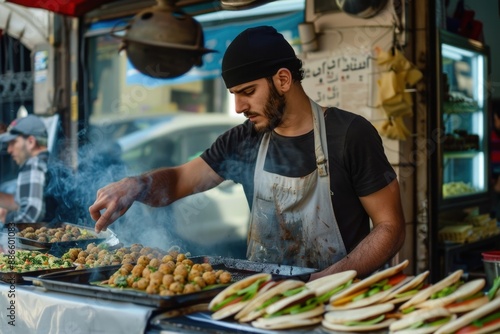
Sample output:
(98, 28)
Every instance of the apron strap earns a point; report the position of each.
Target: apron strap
(319, 139)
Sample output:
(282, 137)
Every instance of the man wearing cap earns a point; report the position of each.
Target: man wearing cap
(26, 140)
(314, 177)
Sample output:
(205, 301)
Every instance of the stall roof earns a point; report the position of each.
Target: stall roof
(28, 25)
(69, 7)
(78, 8)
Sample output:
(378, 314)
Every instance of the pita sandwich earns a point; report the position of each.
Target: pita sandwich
(408, 290)
(233, 298)
(422, 321)
(257, 306)
(435, 289)
(366, 319)
(485, 319)
(370, 290)
(463, 291)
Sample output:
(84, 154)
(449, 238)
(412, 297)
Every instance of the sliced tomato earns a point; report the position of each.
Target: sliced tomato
(464, 302)
(266, 283)
(474, 328)
(394, 280)
(233, 299)
(467, 330)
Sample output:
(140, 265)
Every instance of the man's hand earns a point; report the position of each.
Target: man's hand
(3, 215)
(115, 199)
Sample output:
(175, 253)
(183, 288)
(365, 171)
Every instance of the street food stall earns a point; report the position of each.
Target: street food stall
(105, 287)
(45, 291)
(91, 285)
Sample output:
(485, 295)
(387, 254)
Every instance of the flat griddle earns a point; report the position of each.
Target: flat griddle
(79, 282)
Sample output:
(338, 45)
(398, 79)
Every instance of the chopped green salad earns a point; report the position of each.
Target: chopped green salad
(24, 260)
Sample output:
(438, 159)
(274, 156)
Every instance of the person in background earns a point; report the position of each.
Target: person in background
(26, 140)
(314, 177)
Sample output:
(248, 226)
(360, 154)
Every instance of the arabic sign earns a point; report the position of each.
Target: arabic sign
(339, 81)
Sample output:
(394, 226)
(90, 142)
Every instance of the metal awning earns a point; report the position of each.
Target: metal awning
(28, 25)
(78, 8)
(69, 7)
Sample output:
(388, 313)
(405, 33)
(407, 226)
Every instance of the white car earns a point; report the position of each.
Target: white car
(214, 222)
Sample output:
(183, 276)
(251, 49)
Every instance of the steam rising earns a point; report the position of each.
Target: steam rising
(100, 163)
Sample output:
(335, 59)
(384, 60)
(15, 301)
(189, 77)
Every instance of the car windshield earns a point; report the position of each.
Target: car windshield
(172, 141)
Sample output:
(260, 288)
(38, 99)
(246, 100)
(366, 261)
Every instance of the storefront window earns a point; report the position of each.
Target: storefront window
(149, 123)
(117, 91)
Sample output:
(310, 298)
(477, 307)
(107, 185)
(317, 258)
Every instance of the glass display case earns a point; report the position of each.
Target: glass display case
(460, 223)
(463, 121)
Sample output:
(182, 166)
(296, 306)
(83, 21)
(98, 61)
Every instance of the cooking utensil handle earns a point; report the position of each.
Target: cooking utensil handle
(179, 312)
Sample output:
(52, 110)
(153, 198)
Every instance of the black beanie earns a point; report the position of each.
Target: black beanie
(255, 53)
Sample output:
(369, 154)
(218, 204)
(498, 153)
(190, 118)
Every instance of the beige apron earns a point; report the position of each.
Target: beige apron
(292, 219)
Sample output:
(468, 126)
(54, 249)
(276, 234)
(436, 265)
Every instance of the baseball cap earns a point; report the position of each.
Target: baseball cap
(30, 125)
(256, 53)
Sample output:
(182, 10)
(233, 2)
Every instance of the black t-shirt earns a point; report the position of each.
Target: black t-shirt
(357, 163)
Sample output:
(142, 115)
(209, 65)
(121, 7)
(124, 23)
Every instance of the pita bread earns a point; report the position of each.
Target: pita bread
(370, 300)
(232, 289)
(229, 310)
(296, 323)
(249, 312)
(422, 330)
(308, 318)
(288, 301)
(342, 316)
(408, 320)
(369, 328)
(412, 284)
(327, 283)
(374, 299)
(468, 305)
(463, 291)
(425, 294)
(368, 281)
(467, 318)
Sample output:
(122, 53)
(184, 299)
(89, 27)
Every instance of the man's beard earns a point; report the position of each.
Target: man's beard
(274, 109)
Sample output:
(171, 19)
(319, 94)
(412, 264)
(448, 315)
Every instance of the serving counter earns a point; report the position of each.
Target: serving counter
(79, 302)
(29, 309)
(39, 311)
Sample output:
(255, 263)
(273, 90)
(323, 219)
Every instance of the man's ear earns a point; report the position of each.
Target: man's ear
(283, 80)
(31, 141)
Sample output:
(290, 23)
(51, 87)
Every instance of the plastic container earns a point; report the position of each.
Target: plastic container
(491, 255)
(491, 261)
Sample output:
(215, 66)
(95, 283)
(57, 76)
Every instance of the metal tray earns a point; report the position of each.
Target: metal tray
(78, 282)
(61, 247)
(26, 278)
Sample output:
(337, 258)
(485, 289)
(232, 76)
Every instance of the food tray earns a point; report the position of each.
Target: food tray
(23, 278)
(457, 233)
(60, 247)
(78, 282)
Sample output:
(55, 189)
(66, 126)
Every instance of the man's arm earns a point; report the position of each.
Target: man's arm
(385, 239)
(159, 187)
(31, 181)
(7, 202)
(3, 214)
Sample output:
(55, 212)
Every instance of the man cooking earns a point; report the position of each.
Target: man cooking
(314, 177)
